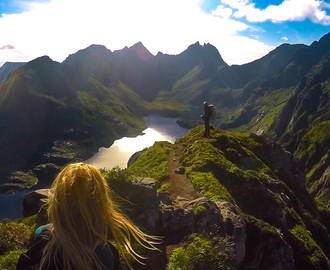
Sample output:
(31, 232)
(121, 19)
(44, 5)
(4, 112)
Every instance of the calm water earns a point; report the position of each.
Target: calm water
(159, 129)
(12, 205)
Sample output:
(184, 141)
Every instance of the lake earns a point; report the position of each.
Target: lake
(158, 129)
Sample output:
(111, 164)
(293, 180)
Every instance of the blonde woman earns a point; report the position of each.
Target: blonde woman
(83, 218)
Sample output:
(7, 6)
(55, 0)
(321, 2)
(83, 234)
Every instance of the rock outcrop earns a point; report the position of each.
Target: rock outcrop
(33, 201)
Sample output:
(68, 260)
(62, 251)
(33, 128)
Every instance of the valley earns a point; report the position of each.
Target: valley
(260, 186)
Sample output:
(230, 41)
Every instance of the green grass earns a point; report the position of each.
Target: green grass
(152, 163)
(202, 252)
(208, 186)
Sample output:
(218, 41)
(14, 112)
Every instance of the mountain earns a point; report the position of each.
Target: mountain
(47, 116)
(264, 68)
(7, 68)
(93, 81)
(144, 73)
(301, 63)
(292, 108)
(223, 85)
(160, 76)
(303, 122)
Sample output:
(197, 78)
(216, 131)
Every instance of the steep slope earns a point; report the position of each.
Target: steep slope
(265, 219)
(303, 123)
(88, 62)
(7, 68)
(261, 69)
(228, 87)
(263, 102)
(46, 116)
(301, 63)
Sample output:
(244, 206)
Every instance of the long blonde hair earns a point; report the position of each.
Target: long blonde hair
(83, 214)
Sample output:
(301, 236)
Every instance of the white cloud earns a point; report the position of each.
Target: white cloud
(288, 10)
(223, 12)
(62, 27)
(284, 38)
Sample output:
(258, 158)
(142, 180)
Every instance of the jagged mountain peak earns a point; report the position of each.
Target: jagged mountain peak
(139, 50)
(206, 53)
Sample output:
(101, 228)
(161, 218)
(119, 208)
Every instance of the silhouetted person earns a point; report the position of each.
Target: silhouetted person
(206, 116)
(83, 220)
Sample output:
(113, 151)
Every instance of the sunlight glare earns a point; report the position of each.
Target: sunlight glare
(140, 142)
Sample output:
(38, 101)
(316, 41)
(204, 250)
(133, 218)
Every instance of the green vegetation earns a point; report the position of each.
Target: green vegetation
(152, 163)
(118, 180)
(109, 110)
(203, 252)
(200, 210)
(14, 239)
(315, 257)
(18, 181)
(311, 147)
(208, 186)
(184, 90)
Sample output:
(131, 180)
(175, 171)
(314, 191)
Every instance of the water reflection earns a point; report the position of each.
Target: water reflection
(159, 129)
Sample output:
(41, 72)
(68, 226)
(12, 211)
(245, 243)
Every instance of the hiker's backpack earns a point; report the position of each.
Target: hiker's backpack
(214, 111)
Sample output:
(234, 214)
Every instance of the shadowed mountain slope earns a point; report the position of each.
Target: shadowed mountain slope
(7, 68)
(47, 116)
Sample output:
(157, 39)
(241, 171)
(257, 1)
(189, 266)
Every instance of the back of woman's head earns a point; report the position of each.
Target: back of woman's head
(79, 204)
(82, 214)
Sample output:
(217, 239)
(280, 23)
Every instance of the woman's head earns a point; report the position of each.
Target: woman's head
(83, 214)
(79, 202)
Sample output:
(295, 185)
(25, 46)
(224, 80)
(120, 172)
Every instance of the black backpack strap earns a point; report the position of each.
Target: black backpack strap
(115, 255)
(32, 257)
(108, 256)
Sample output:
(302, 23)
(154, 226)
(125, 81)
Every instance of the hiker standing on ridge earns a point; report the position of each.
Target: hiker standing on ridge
(206, 116)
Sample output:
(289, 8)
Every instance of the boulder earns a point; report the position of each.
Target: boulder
(233, 226)
(165, 198)
(33, 201)
(143, 196)
(134, 157)
(177, 221)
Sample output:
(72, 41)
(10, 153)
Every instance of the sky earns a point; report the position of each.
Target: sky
(241, 30)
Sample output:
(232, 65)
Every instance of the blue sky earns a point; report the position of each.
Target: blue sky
(242, 30)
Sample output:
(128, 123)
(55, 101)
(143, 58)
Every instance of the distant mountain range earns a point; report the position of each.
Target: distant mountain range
(56, 112)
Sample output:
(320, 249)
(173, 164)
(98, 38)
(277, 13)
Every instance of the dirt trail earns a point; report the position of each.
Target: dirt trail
(179, 185)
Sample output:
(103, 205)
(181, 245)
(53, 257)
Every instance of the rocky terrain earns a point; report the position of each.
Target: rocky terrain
(241, 203)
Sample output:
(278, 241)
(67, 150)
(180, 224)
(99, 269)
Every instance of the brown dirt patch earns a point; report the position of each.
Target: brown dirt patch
(179, 185)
